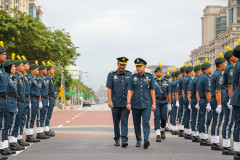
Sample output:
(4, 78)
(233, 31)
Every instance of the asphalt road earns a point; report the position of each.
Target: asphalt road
(87, 134)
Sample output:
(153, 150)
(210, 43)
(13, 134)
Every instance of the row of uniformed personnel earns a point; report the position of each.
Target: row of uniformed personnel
(24, 100)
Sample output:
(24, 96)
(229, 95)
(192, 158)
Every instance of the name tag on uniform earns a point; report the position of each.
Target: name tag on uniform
(127, 77)
(147, 79)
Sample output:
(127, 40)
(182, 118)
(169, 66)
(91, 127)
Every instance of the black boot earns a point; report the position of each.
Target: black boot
(216, 147)
(5, 152)
(227, 151)
(21, 142)
(16, 147)
(124, 144)
(196, 139)
(188, 136)
(205, 142)
(146, 144)
(3, 158)
(158, 138)
(42, 136)
(181, 133)
(49, 133)
(9, 150)
(138, 144)
(117, 143)
(237, 156)
(167, 129)
(31, 139)
(163, 136)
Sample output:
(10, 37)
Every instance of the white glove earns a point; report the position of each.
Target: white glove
(219, 109)
(169, 107)
(17, 110)
(229, 105)
(40, 105)
(30, 105)
(48, 103)
(189, 107)
(197, 106)
(208, 107)
(177, 104)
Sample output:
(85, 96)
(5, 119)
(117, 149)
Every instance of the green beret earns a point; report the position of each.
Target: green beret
(206, 65)
(183, 69)
(8, 63)
(197, 68)
(167, 77)
(189, 69)
(2, 50)
(33, 66)
(25, 61)
(49, 67)
(18, 62)
(173, 74)
(228, 54)
(177, 73)
(158, 69)
(236, 51)
(219, 60)
(42, 67)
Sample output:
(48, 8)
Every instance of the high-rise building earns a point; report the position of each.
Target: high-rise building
(220, 28)
(30, 7)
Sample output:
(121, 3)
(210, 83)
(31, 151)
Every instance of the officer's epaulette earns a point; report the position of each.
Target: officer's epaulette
(134, 74)
(114, 71)
(149, 73)
(128, 71)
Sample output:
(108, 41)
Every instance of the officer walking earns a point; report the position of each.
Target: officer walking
(34, 102)
(141, 99)
(51, 92)
(117, 83)
(163, 103)
(235, 102)
(15, 129)
(187, 99)
(216, 101)
(26, 108)
(181, 107)
(204, 91)
(227, 95)
(194, 103)
(43, 103)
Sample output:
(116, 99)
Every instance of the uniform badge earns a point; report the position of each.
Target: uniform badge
(209, 83)
(135, 79)
(15, 80)
(221, 80)
(231, 73)
(0, 72)
(115, 77)
(47, 81)
(40, 84)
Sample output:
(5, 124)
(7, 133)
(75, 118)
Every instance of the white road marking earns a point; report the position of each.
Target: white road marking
(18, 152)
(68, 121)
(59, 126)
(73, 118)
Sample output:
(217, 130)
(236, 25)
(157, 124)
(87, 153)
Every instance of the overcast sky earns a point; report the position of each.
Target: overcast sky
(156, 30)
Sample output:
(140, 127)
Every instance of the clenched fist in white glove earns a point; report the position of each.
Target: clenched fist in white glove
(40, 105)
(197, 106)
(229, 105)
(219, 109)
(189, 107)
(208, 107)
(169, 107)
(177, 104)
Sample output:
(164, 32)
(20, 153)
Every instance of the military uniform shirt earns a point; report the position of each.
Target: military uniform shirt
(12, 89)
(141, 86)
(42, 85)
(235, 100)
(3, 80)
(161, 87)
(26, 83)
(203, 85)
(18, 79)
(119, 84)
(194, 87)
(172, 84)
(34, 88)
(187, 85)
(227, 79)
(180, 85)
(216, 82)
(50, 83)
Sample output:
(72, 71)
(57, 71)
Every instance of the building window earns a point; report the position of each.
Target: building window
(237, 28)
(238, 1)
(6, 7)
(230, 16)
(6, 1)
(16, 1)
(238, 14)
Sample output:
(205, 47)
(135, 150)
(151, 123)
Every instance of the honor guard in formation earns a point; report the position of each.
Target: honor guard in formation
(117, 84)
(22, 99)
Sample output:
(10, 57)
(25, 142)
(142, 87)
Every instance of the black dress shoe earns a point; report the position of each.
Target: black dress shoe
(16, 147)
(216, 147)
(205, 142)
(237, 156)
(9, 150)
(188, 136)
(196, 139)
(138, 144)
(181, 133)
(5, 152)
(158, 138)
(174, 132)
(3, 158)
(117, 143)
(124, 144)
(227, 151)
(49, 133)
(163, 136)
(146, 144)
(42, 136)
(167, 129)
(31, 139)
(21, 142)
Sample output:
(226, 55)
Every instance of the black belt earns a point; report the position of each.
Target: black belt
(4, 96)
(27, 96)
(21, 100)
(52, 96)
(161, 98)
(45, 97)
(14, 95)
(236, 84)
(202, 97)
(35, 97)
